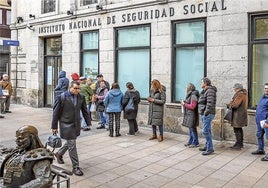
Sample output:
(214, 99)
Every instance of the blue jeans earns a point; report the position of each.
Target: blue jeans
(193, 140)
(103, 118)
(161, 129)
(260, 133)
(206, 120)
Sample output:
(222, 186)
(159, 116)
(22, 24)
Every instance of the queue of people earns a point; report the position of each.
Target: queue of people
(110, 102)
(196, 105)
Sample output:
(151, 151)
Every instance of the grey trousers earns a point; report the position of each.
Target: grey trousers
(70, 145)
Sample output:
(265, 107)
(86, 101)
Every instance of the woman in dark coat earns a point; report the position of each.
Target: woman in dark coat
(239, 106)
(157, 99)
(191, 118)
(131, 115)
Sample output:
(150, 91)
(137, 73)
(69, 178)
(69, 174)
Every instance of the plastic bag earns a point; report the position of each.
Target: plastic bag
(93, 107)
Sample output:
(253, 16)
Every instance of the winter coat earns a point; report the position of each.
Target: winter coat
(68, 115)
(101, 92)
(262, 110)
(239, 105)
(156, 108)
(207, 101)
(7, 85)
(63, 84)
(191, 116)
(113, 101)
(136, 100)
(87, 92)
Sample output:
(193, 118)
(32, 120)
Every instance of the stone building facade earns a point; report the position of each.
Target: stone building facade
(175, 41)
(5, 34)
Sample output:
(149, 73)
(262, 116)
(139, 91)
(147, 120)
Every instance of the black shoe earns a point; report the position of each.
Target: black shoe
(59, 158)
(2, 116)
(77, 171)
(236, 147)
(117, 135)
(258, 152)
(208, 152)
(203, 149)
(264, 158)
(101, 127)
(7, 111)
(111, 135)
(86, 129)
(187, 144)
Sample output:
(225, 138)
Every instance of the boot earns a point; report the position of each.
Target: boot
(153, 137)
(111, 131)
(160, 139)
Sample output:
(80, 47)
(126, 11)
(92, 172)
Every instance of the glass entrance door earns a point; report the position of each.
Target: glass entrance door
(53, 65)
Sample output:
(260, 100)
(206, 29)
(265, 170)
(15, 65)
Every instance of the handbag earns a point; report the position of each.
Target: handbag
(54, 141)
(5, 92)
(93, 107)
(130, 106)
(228, 115)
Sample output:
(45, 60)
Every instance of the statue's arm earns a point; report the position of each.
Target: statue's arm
(43, 176)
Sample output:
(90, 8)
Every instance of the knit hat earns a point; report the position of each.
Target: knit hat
(75, 76)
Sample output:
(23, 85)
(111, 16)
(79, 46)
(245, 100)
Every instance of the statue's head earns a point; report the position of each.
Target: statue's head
(27, 138)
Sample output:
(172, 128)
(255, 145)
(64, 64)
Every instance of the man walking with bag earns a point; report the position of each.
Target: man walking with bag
(66, 111)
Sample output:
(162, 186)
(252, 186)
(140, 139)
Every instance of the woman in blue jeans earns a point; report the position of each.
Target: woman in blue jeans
(191, 116)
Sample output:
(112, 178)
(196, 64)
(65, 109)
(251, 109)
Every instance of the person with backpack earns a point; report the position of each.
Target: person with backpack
(131, 96)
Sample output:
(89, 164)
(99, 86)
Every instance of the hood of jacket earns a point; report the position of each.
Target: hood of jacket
(115, 92)
(62, 74)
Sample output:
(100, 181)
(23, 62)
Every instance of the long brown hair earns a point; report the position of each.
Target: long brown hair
(156, 85)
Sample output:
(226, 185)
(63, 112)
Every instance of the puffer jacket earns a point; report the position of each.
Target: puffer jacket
(191, 117)
(207, 101)
(63, 84)
(156, 108)
(239, 105)
(113, 101)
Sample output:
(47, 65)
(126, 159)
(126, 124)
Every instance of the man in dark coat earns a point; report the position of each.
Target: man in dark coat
(207, 111)
(67, 111)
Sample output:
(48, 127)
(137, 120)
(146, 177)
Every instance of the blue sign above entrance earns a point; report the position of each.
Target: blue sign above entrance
(11, 43)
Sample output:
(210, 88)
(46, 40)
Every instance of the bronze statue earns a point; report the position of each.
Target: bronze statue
(29, 164)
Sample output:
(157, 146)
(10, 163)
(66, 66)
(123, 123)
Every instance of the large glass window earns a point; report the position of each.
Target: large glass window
(48, 6)
(87, 2)
(1, 16)
(8, 18)
(90, 54)
(259, 55)
(133, 58)
(189, 50)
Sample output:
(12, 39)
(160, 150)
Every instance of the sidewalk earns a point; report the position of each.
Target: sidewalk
(136, 162)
